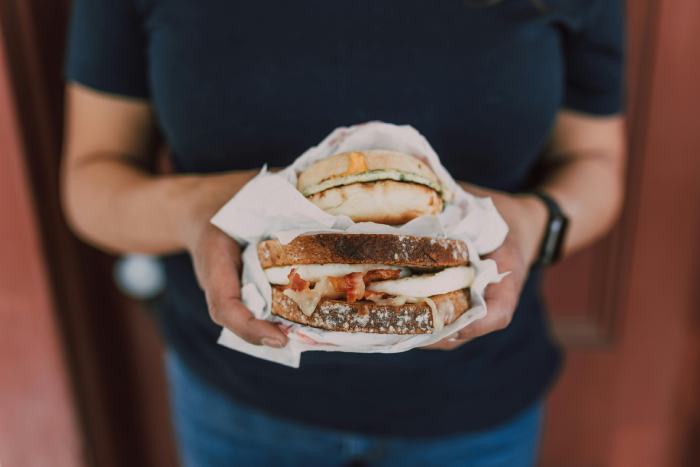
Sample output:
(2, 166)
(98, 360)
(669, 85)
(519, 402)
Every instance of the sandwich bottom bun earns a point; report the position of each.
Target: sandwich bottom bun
(384, 202)
(365, 316)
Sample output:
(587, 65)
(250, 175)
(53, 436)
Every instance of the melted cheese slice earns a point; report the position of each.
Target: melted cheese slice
(315, 272)
(307, 299)
(427, 285)
(356, 163)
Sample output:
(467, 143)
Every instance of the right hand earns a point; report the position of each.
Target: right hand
(217, 263)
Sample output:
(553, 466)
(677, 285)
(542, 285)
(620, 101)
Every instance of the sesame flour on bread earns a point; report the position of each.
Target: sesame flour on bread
(374, 283)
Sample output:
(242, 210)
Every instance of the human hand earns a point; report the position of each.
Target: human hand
(217, 263)
(526, 217)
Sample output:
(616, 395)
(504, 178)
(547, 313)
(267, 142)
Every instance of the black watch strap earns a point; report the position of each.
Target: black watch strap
(555, 231)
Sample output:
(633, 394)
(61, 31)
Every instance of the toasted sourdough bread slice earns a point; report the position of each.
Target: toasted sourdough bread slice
(420, 253)
(366, 316)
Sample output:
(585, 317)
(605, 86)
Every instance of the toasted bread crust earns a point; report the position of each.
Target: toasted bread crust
(421, 253)
(366, 316)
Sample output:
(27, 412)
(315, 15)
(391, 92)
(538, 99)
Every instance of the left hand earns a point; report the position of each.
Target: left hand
(526, 217)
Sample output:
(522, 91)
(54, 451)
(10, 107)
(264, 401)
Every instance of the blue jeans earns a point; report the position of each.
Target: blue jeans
(214, 431)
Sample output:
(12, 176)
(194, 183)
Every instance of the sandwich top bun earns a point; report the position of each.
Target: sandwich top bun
(374, 185)
(420, 253)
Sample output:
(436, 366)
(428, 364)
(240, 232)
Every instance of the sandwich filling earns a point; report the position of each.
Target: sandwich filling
(372, 176)
(368, 166)
(279, 275)
(308, 284)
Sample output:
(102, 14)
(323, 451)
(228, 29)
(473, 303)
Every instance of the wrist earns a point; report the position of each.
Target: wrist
(526, 216)
(190, 213)
(536, 225)
(200, 197)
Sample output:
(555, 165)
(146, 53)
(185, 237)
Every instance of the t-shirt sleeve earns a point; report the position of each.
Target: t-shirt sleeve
(594, 57)
(107, 47)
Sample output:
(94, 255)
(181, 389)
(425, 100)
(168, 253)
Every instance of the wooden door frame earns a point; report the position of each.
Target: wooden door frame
(89, 308)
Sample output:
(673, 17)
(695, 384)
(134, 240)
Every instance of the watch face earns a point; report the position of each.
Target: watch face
(556, 226)
(557, 230)
(553, 242)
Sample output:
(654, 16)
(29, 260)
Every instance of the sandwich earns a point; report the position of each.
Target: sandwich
(374, 283)
(386, 187)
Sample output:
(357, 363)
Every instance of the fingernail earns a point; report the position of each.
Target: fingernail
(270, 342)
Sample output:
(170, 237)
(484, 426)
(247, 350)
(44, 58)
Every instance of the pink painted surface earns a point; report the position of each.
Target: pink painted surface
(38, 425)
(634, 403)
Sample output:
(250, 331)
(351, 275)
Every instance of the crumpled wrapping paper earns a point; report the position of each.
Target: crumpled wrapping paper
(269, 206)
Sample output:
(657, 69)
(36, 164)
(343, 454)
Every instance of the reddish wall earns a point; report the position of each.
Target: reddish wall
(37, 419)
(634, 401)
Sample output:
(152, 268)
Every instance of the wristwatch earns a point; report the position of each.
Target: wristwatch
(555, 231)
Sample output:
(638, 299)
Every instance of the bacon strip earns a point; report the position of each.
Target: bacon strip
(381, 275)
(354, 287)
(338, 283)
(296, 283)
(372, 295)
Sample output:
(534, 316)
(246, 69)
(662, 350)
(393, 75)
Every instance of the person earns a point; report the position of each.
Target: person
(514, 95)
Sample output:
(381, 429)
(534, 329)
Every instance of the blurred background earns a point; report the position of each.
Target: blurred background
(81, 382)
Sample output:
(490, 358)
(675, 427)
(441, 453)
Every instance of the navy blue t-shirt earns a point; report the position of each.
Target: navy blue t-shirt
(235, 84)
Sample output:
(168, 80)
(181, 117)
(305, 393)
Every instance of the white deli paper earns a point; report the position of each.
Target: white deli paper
(269, 206)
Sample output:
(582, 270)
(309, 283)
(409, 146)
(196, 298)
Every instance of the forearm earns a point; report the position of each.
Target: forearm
(122, 208)
(588, 189)
(583, 170)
